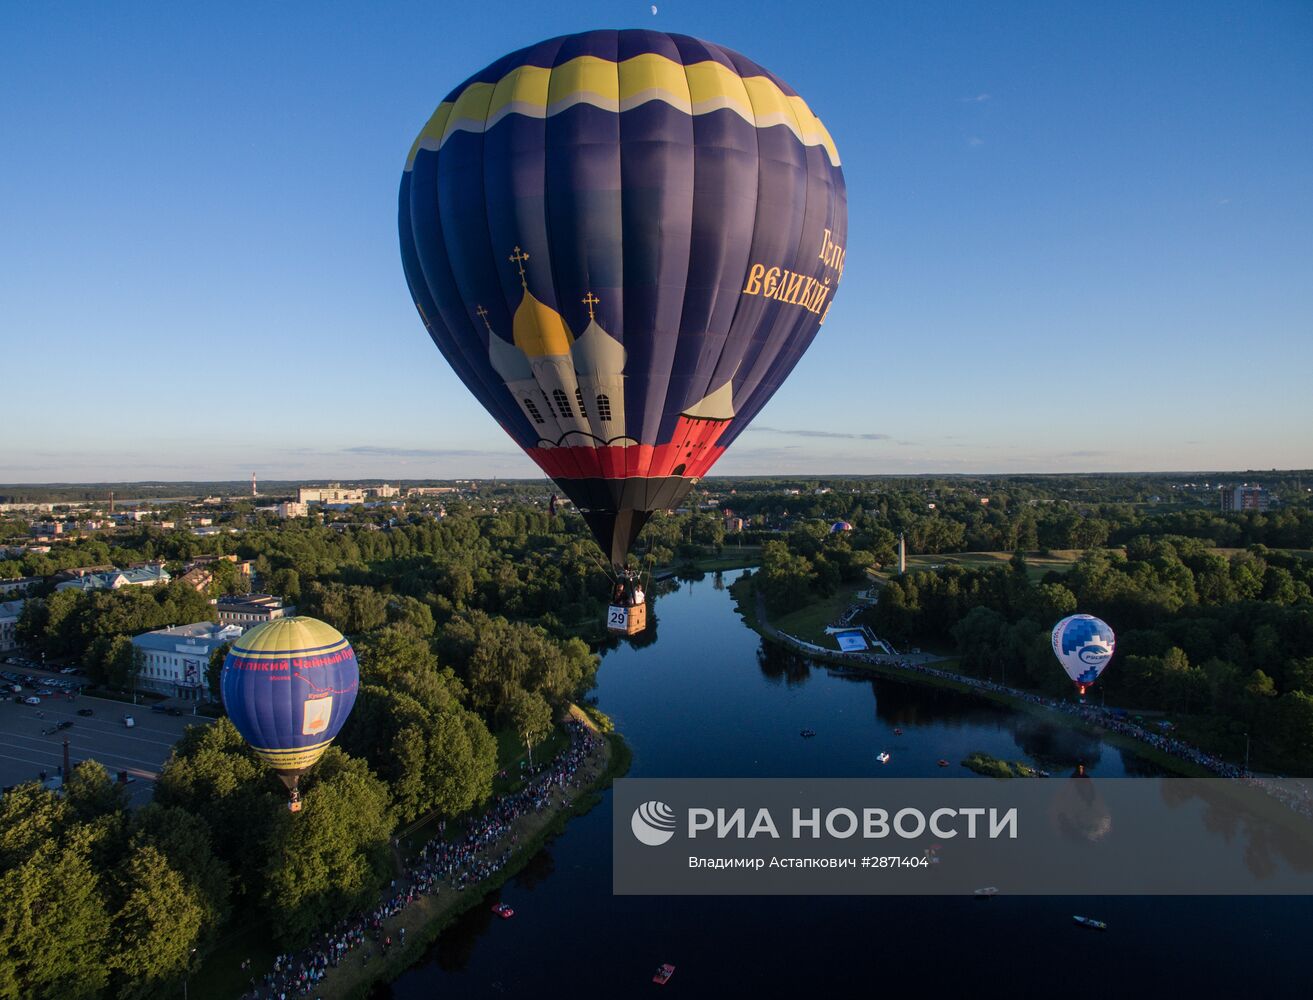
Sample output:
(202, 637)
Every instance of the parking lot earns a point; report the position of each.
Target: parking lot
(27, 747)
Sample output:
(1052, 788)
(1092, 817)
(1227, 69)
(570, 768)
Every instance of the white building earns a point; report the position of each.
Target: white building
(10, 612)
(174, 660)
(332, 493)
(293, 508)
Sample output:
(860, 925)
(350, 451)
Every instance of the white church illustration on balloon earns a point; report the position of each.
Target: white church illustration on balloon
(572, 389)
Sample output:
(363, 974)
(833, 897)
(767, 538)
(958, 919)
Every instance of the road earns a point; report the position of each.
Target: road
(141, 750)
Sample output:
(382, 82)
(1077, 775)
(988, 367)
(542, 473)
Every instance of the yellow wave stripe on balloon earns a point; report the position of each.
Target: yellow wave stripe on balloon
(696, 89)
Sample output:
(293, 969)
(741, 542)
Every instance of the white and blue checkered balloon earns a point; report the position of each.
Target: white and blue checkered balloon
(1083, 645)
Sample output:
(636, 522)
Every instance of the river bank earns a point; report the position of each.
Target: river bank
(751, 608)
(428, 894)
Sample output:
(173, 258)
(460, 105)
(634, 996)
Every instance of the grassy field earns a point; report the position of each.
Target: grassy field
(1058, 559)
(731, 557)
(808, 623)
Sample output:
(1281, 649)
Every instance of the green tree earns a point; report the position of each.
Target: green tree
(213, 775)
(185, 841)
(331, 858)
(158, 925)
(214, 670)
(532, 718)
(54, 924)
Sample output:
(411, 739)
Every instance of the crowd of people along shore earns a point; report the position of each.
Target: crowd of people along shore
(1298, 796)
(483, 848)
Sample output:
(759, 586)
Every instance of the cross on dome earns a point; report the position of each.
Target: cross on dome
(518, 258)
(590, 300)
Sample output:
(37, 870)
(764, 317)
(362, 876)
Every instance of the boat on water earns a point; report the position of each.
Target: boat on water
(883, 756)
(663, 974)
(1090, 922)
(898, 732)
(988, 892)
(503, 911)
(807, 734)
(943, 763)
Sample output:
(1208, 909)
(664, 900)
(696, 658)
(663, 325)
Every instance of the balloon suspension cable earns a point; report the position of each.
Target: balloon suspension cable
(606, 571)
(647, 585)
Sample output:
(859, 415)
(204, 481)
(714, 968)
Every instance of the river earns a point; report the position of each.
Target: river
(706, 700)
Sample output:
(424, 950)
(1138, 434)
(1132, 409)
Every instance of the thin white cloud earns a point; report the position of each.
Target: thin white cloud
(978, 99)
(975, 140)
(381, 451)
(799, 432)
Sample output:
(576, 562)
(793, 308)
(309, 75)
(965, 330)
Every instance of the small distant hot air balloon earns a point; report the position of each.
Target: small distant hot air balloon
(1083, 645)
(839, 526)
(288, 686)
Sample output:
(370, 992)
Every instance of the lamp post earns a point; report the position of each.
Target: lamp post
(1246, 754)
(186, 976)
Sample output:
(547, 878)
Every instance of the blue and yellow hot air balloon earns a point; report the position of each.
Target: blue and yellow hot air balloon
(288, 686)
(623, 242)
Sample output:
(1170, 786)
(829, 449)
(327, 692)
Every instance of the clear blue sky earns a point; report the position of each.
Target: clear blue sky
(1081, 235)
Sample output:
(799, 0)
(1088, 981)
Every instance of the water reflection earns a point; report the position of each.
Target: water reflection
(780, 664)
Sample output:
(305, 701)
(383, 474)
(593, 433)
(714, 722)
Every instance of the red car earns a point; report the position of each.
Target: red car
(503, 911)
(663, 974)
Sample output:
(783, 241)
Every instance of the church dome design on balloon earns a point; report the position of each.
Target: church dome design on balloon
(288, 685)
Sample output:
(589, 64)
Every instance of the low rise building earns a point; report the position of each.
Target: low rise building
(249, 610)
(19, 586)
(209, 561)
(10, 612)
(197, 578)
(174, 660)
(78, 572)
(293, 508)
(332, 493)
(144, 577)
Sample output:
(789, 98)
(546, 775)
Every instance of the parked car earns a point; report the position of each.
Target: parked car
(68, 670)
(65, 724)
(85, 712)
(129, 721)
(31, 700)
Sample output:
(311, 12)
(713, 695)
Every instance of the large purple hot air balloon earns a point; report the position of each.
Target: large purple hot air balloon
(623, 242)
